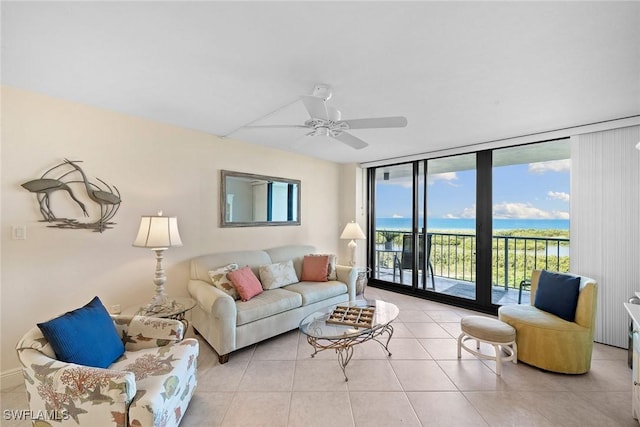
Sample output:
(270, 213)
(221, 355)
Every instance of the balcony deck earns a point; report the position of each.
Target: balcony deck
(459, 288)
(452, 258)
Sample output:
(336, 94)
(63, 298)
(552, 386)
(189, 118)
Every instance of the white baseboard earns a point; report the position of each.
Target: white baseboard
(11, 378)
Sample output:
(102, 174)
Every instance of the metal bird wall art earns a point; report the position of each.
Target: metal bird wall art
(61, 178)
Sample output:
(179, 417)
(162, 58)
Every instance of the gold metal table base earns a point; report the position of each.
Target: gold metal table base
(344, 346)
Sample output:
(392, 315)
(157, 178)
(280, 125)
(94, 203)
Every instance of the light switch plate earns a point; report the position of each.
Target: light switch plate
(19, 232)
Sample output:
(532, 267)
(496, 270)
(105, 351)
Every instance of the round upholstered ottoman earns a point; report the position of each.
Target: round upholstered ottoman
(491, 331)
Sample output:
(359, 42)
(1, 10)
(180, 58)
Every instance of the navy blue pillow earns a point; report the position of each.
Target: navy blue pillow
(558, 294)
(85, 336)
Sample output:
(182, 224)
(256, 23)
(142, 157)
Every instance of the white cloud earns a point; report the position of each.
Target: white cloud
(395, 215)
(550, 166)
(507, 210)
(469, 212)
(447, 177)
(559, 195)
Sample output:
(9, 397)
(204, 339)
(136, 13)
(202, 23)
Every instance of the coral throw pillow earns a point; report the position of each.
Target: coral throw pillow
(246, 283)
(314, 268)
(331, 269)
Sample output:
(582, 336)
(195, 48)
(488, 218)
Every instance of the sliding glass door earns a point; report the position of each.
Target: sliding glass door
(470, 228)
(531, 192)
(451, 225)
(436, 255)
(393, 221)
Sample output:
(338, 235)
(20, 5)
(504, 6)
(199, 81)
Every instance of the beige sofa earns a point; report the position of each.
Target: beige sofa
(228, 324)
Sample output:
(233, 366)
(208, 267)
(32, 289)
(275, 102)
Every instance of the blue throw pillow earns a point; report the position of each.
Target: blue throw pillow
(558, 294)
(85, 336)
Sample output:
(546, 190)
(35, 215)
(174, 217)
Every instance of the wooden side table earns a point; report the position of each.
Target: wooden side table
(180, 307)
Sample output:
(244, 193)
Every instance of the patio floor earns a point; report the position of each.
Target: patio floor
(458, 288)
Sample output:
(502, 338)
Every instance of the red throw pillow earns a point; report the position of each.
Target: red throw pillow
(246, 283)
(314, 268)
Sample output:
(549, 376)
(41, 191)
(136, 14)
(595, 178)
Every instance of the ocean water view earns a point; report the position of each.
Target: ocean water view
(469, 224)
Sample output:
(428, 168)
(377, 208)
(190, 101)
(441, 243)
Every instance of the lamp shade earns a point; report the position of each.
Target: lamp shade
(157, 232)
(352, 231)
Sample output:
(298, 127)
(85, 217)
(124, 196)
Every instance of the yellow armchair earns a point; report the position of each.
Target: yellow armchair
(549, 342)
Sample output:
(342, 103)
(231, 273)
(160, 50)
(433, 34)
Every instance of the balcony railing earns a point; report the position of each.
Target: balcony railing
(453, 256)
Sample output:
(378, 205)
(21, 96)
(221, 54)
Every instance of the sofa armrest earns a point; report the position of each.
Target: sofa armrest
(349, 276)
(212, 300)
(74, 391)
(140, 332)
(214, 316)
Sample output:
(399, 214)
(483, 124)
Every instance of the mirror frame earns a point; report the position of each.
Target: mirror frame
(224, 174)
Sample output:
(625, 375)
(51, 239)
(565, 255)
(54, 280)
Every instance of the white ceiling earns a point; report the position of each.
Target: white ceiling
(461, 72)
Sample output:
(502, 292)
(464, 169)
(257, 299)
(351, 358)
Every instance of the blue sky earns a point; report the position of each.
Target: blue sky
(530, 191)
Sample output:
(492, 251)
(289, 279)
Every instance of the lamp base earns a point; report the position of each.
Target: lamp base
(352, 252)
(160, 305)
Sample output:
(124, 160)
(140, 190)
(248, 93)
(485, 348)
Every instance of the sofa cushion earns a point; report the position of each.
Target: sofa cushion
(278, 275)
(312, 292)
(520, 315)
(85, 336)
(246, 283)
(268, 303)
(220, 279)
(314, 268)
(558, 294)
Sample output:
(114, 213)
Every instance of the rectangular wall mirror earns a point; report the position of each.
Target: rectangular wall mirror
(248, 200)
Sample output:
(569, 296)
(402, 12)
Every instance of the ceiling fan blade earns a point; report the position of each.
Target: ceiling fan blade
(377, 122)
(275, 126)
(351, 140)
(316, 107)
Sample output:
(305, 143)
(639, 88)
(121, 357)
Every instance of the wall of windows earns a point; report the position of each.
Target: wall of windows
(491, 217)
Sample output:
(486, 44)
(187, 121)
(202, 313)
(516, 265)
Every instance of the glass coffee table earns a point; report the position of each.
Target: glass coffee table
(341, 327)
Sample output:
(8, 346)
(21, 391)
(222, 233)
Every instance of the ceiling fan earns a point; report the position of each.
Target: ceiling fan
(326, 121)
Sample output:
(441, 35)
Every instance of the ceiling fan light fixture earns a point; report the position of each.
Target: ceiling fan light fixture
(322, 131)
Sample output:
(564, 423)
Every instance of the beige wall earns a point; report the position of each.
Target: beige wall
(155, 166)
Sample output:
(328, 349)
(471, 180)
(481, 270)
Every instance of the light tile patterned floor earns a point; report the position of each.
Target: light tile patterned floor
(277, 383)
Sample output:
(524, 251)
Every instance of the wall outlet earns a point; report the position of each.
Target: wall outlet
(115, 309)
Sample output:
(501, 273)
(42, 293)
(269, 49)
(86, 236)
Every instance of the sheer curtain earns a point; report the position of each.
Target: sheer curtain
(605, 223)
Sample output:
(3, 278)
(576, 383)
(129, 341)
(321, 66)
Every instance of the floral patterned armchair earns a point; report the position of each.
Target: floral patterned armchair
(151, 384)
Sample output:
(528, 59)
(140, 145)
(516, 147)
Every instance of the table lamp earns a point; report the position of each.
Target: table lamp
(158, 233)
(353, 232)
